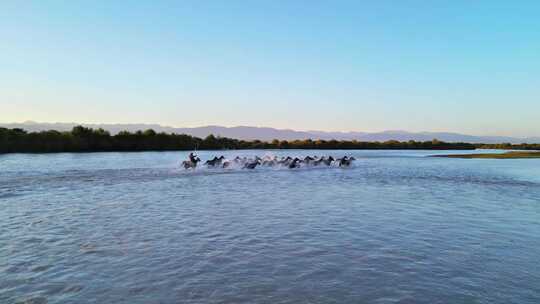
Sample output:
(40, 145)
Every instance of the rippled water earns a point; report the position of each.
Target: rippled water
(398, 227)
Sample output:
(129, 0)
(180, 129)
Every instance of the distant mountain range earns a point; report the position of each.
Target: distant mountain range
(267, 134)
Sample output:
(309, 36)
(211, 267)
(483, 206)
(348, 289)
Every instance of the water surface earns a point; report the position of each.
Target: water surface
(398, 227)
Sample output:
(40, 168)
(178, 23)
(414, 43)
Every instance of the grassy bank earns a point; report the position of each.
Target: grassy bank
(509, 146)
(507, 155)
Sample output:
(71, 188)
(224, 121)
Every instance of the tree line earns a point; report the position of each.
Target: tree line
(82, 139)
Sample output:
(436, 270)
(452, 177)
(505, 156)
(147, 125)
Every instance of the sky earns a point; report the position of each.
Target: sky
(460, 66)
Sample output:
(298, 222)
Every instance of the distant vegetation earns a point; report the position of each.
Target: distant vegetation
(507, 155)
(509, 146)
(81, 139)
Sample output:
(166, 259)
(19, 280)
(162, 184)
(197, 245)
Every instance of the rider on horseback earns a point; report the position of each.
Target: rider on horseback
(192, 162)
(193, 157)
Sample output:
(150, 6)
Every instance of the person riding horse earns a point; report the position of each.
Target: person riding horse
(192, 162)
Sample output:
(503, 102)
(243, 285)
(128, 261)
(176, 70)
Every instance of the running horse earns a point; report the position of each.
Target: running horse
(191, 163)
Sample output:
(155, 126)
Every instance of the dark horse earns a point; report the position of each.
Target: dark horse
(215, 161)
(252, 165)
(326, 161)
(345, 161)
(295, 163)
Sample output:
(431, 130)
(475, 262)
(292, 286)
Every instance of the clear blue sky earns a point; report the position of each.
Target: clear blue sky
(463, 66)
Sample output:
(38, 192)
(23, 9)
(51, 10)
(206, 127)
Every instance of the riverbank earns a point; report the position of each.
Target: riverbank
(507, 155)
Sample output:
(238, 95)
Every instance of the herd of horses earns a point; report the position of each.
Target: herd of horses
(268, 161)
